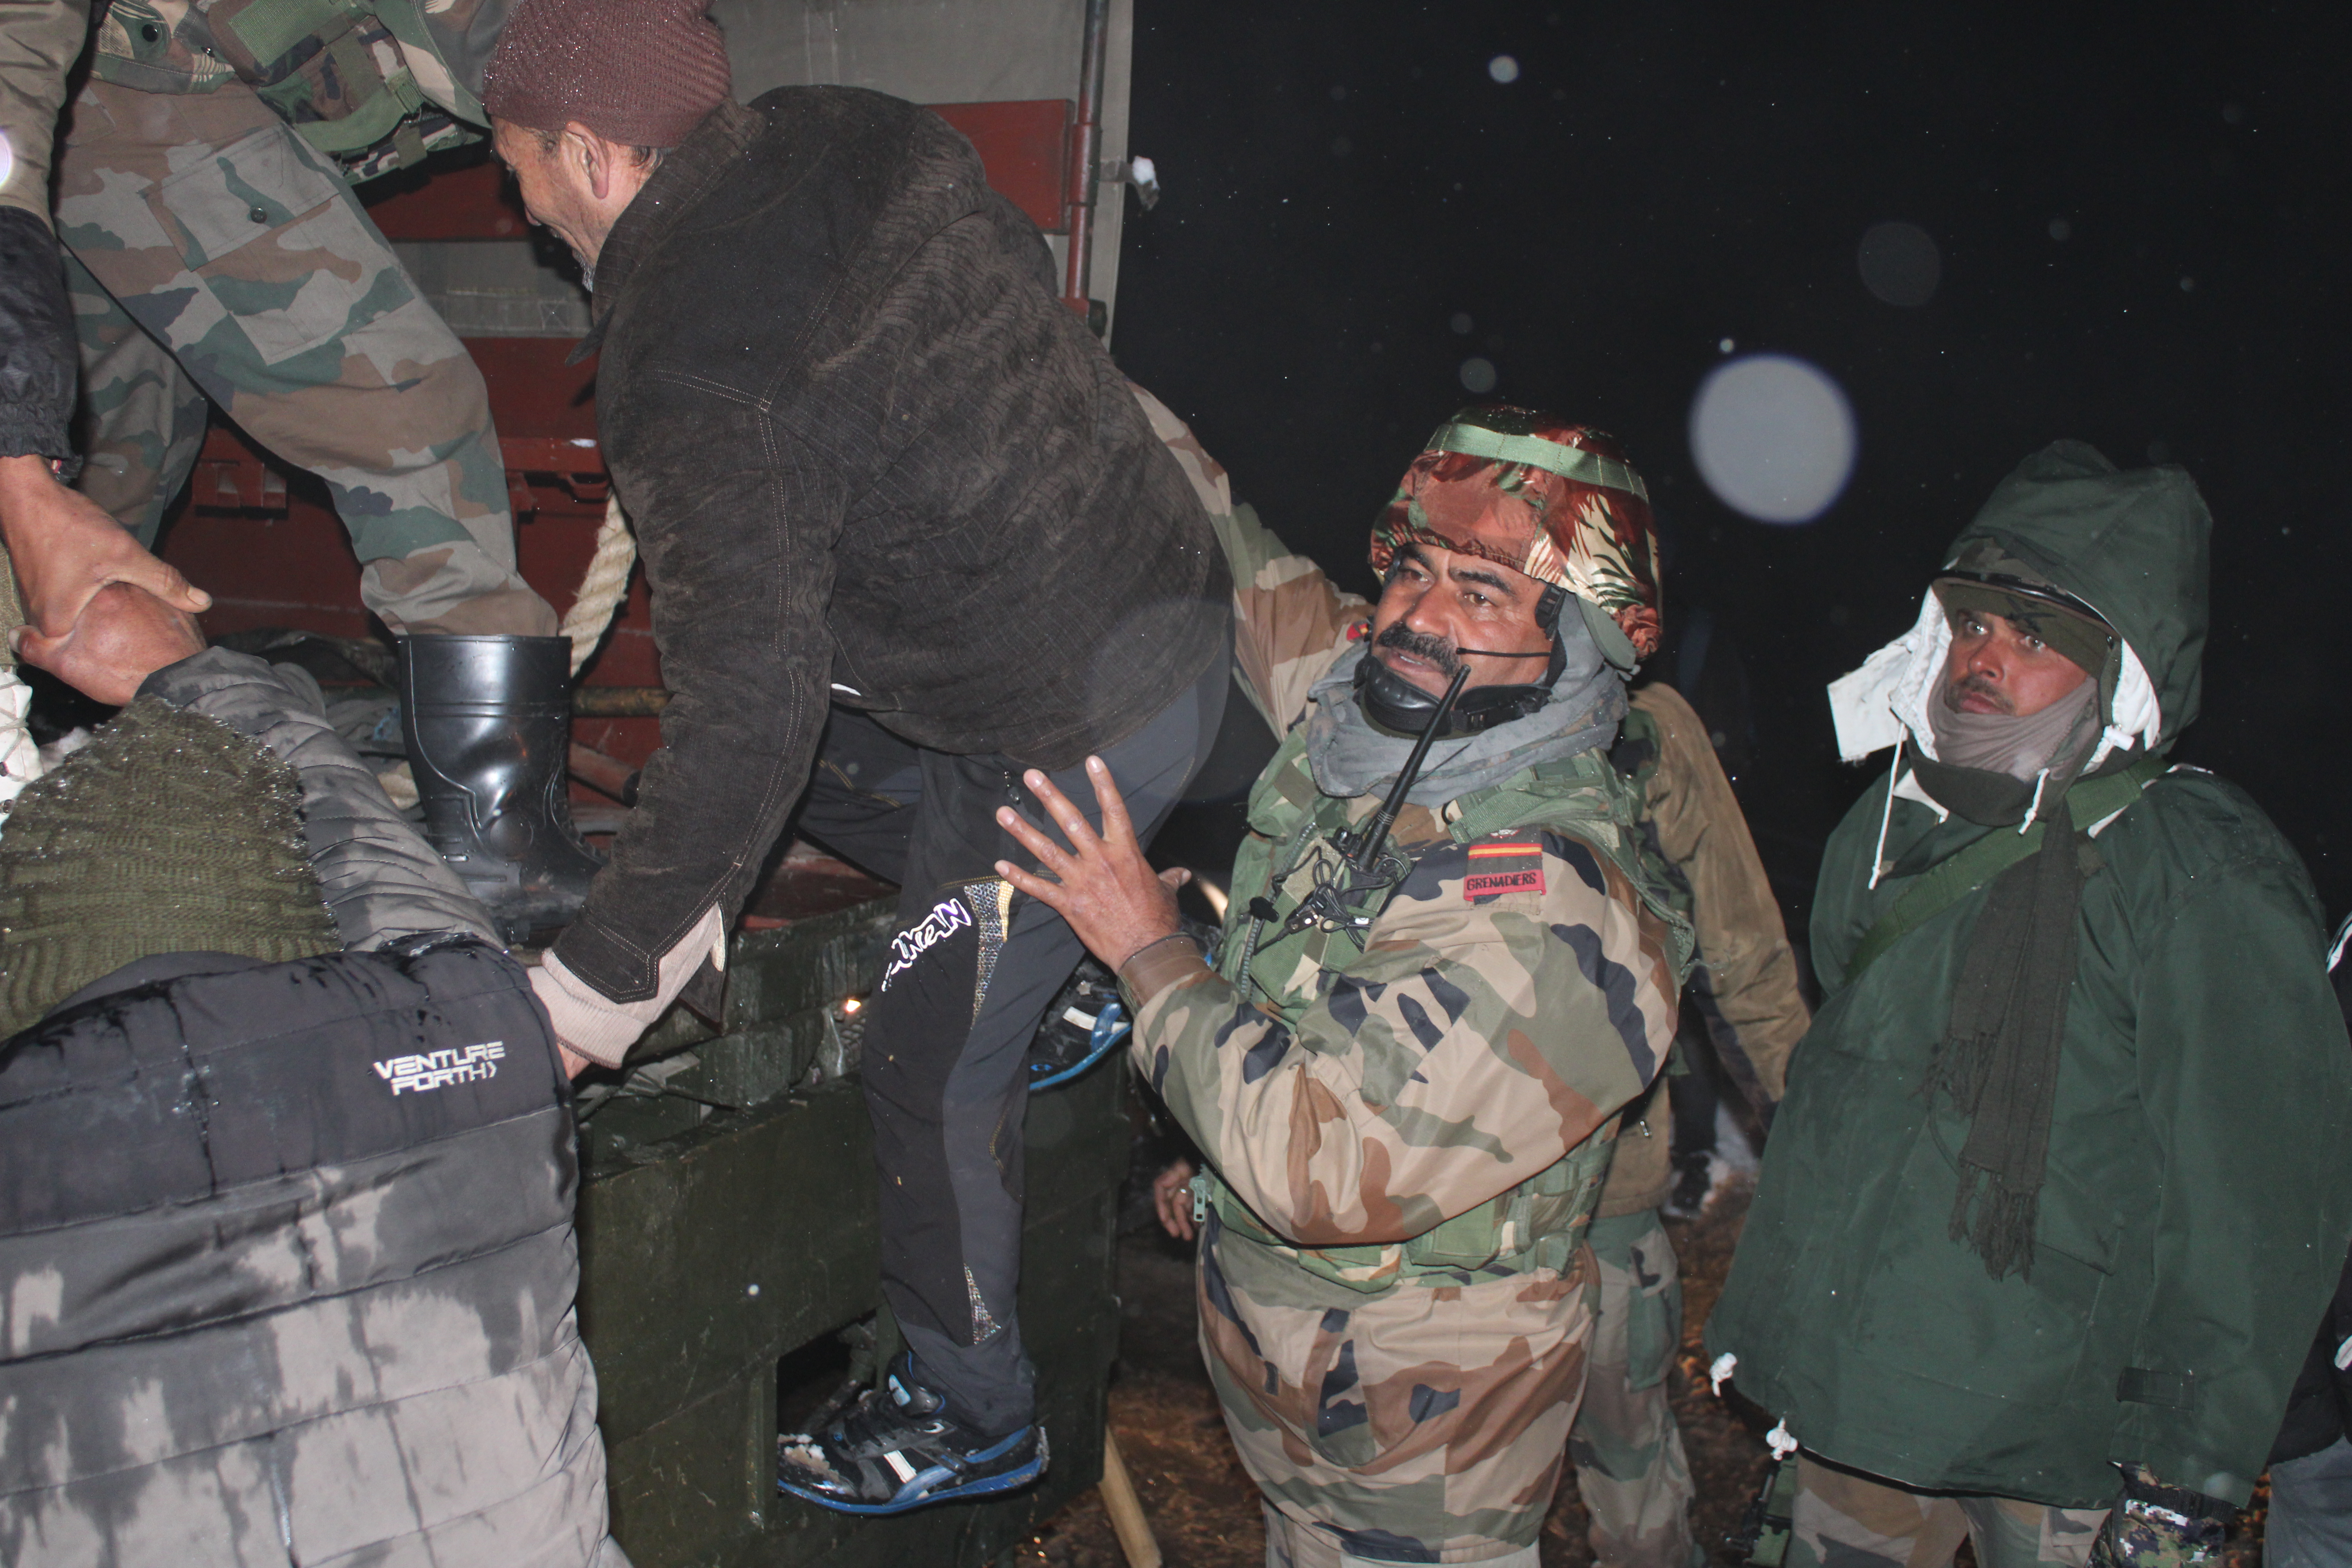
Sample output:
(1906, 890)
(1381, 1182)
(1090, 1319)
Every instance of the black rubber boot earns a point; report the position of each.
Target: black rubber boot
(488, 725)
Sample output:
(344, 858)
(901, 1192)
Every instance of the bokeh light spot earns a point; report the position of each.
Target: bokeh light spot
(1478, 374)
(1773, 437)
(1503, 68)
(1461, 323)
(2061, 230)
(1900, 264)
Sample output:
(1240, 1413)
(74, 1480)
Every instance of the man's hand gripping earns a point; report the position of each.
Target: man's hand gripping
(67, 552)
(1101, 883)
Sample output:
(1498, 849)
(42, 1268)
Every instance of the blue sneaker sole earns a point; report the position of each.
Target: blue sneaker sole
(1011, 1480)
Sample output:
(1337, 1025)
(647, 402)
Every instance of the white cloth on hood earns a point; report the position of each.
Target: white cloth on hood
(1875, 705)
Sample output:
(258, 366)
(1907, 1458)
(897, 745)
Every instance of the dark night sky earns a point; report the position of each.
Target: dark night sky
(1342, 180)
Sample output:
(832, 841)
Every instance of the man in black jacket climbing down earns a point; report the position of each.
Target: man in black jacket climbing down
(909, 535)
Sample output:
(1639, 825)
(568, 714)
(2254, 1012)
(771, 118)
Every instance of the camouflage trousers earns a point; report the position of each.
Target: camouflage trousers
(213, 255)
(1855, 1522)
(1426, 1423)
(1630, 1465)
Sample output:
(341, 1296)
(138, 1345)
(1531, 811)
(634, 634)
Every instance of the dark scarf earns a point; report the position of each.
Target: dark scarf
(1999, 1057)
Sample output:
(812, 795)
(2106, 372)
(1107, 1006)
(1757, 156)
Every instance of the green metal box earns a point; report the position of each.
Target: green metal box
(728, 1222)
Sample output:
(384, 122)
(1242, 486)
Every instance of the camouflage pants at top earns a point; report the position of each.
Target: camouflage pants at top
(1854, 1522)
(1422, 1424)
(213, 255)
(1630, 1465)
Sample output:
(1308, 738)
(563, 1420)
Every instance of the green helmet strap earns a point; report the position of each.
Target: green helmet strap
(1567, 462)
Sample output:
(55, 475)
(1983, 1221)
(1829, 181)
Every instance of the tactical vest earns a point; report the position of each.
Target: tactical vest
(340, 72)
(1540, 1223)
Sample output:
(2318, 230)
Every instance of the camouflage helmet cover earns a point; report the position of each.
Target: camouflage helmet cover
(1528, 491)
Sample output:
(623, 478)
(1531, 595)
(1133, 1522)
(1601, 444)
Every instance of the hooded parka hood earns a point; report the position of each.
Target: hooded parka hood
(2133, 546)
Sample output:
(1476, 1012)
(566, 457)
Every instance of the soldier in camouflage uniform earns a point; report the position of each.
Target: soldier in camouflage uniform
(218, 253)
(76, 566)
(1743, 999)
(1409, 1122)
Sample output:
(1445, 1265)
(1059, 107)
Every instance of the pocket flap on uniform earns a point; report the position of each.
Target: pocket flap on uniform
(242, 192)
(264, 31)
(2167, 1390)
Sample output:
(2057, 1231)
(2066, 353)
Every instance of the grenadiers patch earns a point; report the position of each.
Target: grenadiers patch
(1504, 866)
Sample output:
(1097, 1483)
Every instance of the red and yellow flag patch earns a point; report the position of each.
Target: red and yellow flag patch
(1506, 868)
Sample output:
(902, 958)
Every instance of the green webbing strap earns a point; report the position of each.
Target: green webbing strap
(1567, 462)
(1770, 1519)
(1942, 884)
(408, 142)
(270, 28)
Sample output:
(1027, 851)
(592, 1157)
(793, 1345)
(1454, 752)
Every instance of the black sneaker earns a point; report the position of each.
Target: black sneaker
(898, 1448)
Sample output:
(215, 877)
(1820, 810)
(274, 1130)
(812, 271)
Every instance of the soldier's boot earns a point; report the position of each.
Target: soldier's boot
(902, 1447)
(488, 725)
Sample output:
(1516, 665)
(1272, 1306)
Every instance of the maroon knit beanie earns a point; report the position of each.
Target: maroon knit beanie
(640, 72)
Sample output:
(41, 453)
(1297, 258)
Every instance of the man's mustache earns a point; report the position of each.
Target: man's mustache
(1984, 688)
(1436, 651)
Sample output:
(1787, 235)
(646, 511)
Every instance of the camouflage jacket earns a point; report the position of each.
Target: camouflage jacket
(1435, 1103)
(376, 86)
(1744, 987)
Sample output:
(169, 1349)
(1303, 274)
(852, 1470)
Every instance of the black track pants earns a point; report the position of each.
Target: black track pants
(971, 970)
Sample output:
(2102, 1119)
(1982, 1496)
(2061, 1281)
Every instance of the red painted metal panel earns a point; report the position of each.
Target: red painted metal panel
(478, 202)
(533, 392)
(1024, 145)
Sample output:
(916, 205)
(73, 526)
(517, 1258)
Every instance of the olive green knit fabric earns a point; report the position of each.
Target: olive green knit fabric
(168, 833)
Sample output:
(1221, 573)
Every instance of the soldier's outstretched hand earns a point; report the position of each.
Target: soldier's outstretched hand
(1101, 883)
(67, 551)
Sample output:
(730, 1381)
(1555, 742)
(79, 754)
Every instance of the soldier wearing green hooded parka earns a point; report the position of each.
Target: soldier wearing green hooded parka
(2057, 1194)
